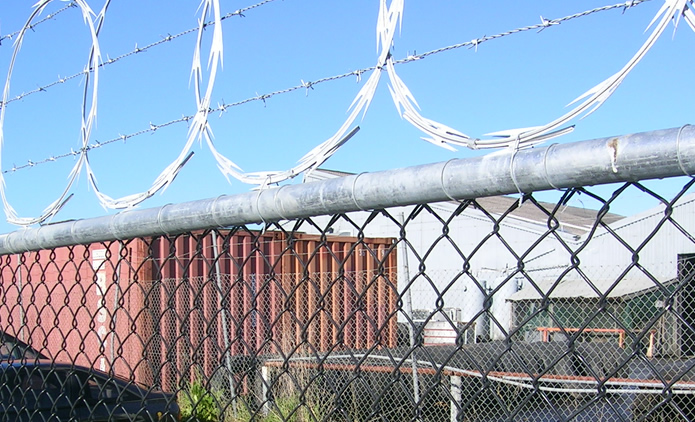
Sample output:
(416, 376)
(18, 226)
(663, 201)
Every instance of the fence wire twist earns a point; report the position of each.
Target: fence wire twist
(479, 310)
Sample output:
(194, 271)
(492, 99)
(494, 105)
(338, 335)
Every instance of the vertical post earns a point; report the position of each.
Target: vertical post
(265, 396)
(225, 330)
(455, 389)
(650, 349)
(20, 302)
(116, 294)
(99, 257)
(408, 303)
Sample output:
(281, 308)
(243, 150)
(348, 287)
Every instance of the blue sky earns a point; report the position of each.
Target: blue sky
(516, 81)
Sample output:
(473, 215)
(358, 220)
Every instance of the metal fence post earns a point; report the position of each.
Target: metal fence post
(408, 304)
(455, 389)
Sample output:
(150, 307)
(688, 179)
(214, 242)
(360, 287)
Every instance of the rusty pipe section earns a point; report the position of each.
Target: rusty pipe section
(648, 155)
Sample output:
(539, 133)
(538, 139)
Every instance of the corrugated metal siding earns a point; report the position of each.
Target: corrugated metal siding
(658, 255)
(73, 307)
(164, 304)
(305, 294)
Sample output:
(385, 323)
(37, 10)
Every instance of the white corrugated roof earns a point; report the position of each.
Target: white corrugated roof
(574, 287)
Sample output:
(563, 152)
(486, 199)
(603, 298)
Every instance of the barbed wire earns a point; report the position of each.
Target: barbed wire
(222, 107)
(48, 17)
(545, 23)
(136, 50)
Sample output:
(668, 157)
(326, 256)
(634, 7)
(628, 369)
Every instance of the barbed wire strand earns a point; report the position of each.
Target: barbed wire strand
(33, 26)
(133, 52)
(222, 107)
(671, 11)
(389, 19)
(89, 108)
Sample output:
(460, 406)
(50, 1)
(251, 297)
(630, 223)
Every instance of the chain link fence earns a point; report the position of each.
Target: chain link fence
(547, 307)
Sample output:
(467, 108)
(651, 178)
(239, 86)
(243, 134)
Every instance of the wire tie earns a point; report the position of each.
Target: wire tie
(352, 193)
(159, 220)
(261, 188)
(281, 207)
(545, 166)
(441, 181)
(214, 212)
(511, 168)
(112, 228)
(678, 150)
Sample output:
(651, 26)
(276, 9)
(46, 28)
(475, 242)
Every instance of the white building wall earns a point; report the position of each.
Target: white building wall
(433, 261)
(659, 254)
(432, 268)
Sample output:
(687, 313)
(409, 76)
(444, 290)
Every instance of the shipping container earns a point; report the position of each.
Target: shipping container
(176, 307)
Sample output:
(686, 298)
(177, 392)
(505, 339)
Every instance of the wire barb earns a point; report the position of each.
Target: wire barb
(547, 23)
(356, 73)
(389, 19)
(33, 26)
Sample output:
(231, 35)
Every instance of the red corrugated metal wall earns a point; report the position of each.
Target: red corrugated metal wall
(75, 304)
(297, 295)
(153, 307)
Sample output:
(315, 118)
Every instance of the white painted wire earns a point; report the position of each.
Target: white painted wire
(389, 19)
(441, 135)
(88, 117)
(672, 10)
(199, 128)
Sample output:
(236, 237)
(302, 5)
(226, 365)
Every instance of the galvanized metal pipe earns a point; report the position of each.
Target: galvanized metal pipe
(649, 155)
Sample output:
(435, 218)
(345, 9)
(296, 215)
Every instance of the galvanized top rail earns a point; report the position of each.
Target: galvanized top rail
(648, 155)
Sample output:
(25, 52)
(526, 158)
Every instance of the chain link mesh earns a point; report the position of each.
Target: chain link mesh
(496, 309)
